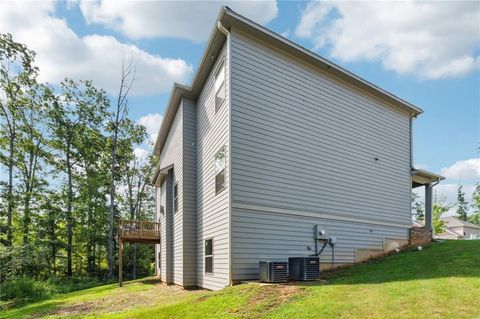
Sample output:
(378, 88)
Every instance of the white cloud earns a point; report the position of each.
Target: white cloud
(152, 123)
(429, 39)
(140, 153)
(465, 170)
(61, 52)
(184, 19)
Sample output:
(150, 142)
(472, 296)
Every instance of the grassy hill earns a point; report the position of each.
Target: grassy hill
(442, 281)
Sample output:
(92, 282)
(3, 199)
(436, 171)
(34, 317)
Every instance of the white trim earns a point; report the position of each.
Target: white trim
(283, 211)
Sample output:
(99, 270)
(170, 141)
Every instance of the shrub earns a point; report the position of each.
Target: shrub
(17, 292)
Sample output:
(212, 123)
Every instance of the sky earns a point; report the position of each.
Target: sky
(427, 53)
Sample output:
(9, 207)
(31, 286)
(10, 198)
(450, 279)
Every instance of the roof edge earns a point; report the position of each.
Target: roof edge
(180, 90)
(228, 17)
(332, 68)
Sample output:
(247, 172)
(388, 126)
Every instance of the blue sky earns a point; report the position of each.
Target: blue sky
(425, 53)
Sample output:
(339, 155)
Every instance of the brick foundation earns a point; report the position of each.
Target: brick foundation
(420, 236)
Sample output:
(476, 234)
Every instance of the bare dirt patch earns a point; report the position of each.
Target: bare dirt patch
(124, 299)
(268, 298)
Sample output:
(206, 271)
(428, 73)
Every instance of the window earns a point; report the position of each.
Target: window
(159, 260)
(220, 93)
(209, 256)
(220, 171)
(175, 197)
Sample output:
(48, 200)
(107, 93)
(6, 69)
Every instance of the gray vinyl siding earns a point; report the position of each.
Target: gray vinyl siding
(157, 219)
(212, 209)
(163, 234)
(172, 153)
(304, 142)
(262, 235)
(189, 194)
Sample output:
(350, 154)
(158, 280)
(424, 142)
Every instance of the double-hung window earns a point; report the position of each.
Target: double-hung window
(209, 256)
(220, 159)
(220, 90)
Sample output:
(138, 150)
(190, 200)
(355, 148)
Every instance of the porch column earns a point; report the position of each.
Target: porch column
(428, 206)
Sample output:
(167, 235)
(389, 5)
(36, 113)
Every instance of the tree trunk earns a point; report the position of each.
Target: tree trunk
(26, 218)
(112, 207)
(10, 190)
(69, 214)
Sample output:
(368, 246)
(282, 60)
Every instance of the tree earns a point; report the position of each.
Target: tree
(418, 207)
(474, 218)
(121, 109)
(17, 75)
(79, 108)
(92, 190)
(32, 143)
(138, 191)
(462, 204)
(440, 207)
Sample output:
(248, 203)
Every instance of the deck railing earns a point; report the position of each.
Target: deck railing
(132, 230)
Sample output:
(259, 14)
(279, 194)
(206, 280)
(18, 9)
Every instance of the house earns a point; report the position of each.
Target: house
(269, 142)
(459, 229)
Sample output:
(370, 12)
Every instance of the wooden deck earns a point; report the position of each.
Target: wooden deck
(139, 231)
(135, 231)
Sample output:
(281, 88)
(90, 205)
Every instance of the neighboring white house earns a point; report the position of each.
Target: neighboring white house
(269, 141)
(459, 229)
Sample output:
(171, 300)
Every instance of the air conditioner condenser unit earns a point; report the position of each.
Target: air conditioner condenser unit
(273, 271)
(304, 268)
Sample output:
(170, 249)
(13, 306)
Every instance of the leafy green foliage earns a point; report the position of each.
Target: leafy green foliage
(56, 144)
(462, 210)
(474, 218)
(440, 207)
(24, 290)
(418, 210)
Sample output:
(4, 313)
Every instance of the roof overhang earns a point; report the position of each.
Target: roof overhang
(229, 19)
(421, 177)
(160, 174)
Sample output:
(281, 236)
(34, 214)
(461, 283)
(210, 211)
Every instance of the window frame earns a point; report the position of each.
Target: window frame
(222, 65)
(175, 198)
(224, 149)
(205, 256)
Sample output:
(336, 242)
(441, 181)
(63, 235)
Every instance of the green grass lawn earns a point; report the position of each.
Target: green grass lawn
(442, 281)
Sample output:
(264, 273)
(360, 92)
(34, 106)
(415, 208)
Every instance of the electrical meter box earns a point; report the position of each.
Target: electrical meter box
(320, 232)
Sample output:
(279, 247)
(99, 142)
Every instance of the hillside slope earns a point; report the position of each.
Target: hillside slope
(442, 281)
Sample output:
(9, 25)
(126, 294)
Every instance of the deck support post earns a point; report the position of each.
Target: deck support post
(428, 206)
(120, 255)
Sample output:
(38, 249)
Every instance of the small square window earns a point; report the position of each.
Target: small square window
(220, 89)
(209, 256)
(175, 197)
(220, 163)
